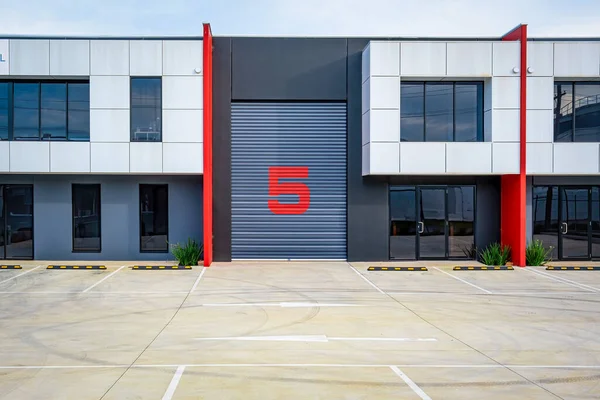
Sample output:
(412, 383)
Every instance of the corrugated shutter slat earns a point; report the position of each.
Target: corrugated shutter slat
(267, 135)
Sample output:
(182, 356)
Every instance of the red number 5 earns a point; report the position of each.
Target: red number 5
(299, 189)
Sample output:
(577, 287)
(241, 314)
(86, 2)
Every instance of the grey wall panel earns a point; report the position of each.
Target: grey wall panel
(529, 209)
(119, 210)
(288, 69)
(222, 149)
(487, 223)
(310, 135)
(368, 220)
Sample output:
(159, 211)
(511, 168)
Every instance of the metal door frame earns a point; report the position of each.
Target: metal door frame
(4, 191)
(561, 221)
(418, 188)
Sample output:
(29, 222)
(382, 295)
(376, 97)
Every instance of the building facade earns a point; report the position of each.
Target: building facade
(300, 148)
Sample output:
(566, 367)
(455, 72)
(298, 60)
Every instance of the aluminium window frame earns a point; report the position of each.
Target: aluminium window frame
(39, 82)
(480, 102)
(140, 185)
(131, 79)
(555, 111)
(73, 249)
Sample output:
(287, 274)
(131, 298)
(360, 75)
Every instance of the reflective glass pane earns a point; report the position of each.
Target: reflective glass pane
(545, 217)
(26, 111)
(154, 214)
(146, 109)
(439, 113)
(79, 111)
(2, 224)
(432, 238)
(461, 217)
(54, 111)
(563, 112)
(403, 227)
(587, 112)
(595, 222)
(575, 223)
(412, 118)
(468, 112)
(4, 111)
(86, 218)
(19, 221)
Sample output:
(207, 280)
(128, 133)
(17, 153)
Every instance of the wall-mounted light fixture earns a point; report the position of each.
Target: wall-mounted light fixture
(516, 70)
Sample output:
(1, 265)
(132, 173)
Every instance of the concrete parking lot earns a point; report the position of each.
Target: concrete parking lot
(298, 330)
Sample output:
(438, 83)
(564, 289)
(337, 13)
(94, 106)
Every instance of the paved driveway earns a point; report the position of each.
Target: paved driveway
(313, 330)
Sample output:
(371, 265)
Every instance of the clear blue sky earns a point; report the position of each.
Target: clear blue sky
(300, 17)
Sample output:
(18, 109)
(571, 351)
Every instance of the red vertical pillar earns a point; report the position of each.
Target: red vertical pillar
(513, 215)
(207, 156)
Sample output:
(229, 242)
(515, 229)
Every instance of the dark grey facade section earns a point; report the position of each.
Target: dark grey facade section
(368, 219)
(306, 143)
(222, 149)
(288, 69)
(120, 214)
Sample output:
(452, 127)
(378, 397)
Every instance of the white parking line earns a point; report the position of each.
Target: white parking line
(558, 279)
(21, 274)
(410, 383)
(452, 366)
(367, 280)
(316, 338)
(174, 382)
(570, 281)
(198, 279)
(463, 281)
(102, 280)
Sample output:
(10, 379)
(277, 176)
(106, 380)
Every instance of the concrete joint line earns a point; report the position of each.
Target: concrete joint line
(103, 279)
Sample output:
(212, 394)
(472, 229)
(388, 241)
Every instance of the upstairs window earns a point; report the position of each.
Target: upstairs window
(146, 109)
(577, 111)
(44, 110)
(441, 112)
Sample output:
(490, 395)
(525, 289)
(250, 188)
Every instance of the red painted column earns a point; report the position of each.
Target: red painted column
(207, 156)
(513, 215)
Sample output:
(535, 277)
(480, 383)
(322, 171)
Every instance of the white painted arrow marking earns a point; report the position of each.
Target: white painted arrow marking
(316, 338)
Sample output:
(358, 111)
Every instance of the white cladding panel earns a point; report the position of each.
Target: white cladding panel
(384, 59)
(70, 157)
(146, 157)
(4, 57)
(472, 59)
(182, 92)
(576, 158)
(507, 56)
(579, 59)
(466, 158)
(109, 57)
(109, 125)
(182, 57)
(4, 156)
(29, 57)
(422, 158)
(182, 126)
(29, 156)
(183, 157)
(145, 57)
(110, 157)
(505, 158)
(70, 57)
(423, 59)
(539, 158)
(109, 92)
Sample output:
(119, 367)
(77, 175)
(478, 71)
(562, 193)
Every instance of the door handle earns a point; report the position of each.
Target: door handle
(421, 227)
(564, 227)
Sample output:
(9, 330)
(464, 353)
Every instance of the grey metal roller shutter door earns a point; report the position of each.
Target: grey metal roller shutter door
(266, 135)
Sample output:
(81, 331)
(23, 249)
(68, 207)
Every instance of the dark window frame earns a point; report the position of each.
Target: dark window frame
(140, 186)
(556, 110)
(40, 82)
(73, 249)
(480, 109)
(131, 107)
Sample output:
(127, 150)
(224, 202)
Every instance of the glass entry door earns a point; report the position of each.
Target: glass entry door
(575, 223)
(432, 222)
(16, 222)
